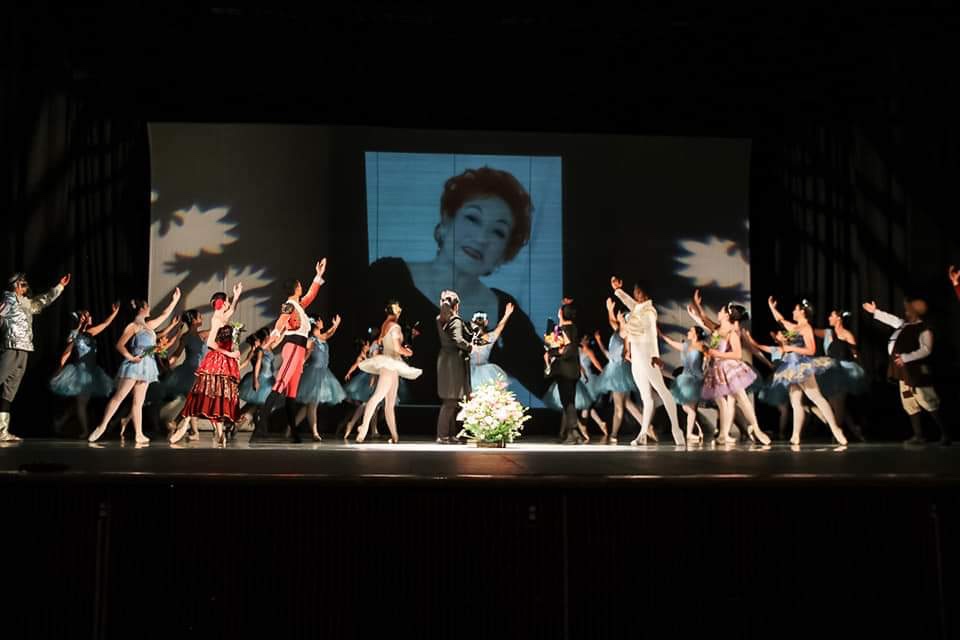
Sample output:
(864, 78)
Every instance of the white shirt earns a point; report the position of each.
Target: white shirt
(641, 325)
(926, 337)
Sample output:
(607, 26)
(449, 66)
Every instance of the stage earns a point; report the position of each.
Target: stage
(530, 462)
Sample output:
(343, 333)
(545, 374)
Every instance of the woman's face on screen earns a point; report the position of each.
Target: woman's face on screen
(476, 238)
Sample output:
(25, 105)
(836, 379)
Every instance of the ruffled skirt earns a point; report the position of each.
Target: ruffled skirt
(215, 393)
(81, 380)
(380, 362)
(726, 377)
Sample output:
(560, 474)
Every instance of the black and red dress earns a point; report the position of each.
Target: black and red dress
(214, 394)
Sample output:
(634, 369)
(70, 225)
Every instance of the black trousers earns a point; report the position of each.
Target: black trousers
(447, 421)
(568, 400)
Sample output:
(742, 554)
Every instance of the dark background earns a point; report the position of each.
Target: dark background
(854, 163)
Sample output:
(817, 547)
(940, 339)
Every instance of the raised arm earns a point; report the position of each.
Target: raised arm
(40, 302)
(494, 335)
(98, 329)
(318, 281)
(334, 325)
(237, 290)
(611, 314)
(772, 303)
(670, 341)
(756, 347)
(882, 316)
(153, 323)
(599, 340)
(617, 285)
(699, 315)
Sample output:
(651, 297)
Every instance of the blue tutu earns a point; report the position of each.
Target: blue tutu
(81, 380)
(181, 379)
(82, 376)
(484, 373)
(616, 378)
(846, 377)
(318, 385)
(358, 388)
(686, 389)
(584, 399)
(265, 384)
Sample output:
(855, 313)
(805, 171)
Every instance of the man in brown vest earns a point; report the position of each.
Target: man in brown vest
(910, 347)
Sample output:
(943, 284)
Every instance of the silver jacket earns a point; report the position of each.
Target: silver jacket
(16, 317)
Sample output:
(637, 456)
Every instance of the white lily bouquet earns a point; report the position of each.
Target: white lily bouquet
(492, 415)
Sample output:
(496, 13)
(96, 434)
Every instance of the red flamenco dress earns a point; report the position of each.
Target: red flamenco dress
(214, 395)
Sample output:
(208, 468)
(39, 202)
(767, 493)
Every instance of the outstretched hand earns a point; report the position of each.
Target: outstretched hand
(870, 307)
(237, 289)
(697, 297)
(611, 305)
(321, 267)
(772, 303)
(114, 308)
(508, 309)
(65, 280)
(335, 322)
(176, 294)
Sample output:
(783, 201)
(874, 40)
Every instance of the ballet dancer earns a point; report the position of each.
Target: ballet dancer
(727, 377)
(482, 370)
(616, 379)
(79, 377)
(138, 370)
(844, 379)
(688, 386)
(644, 347)
(291, 330)
(798, 368)
(389, 367)
(214, 395)
(318, 385)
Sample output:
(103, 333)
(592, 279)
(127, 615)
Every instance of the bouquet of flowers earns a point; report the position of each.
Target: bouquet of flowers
(158, 351)
(237, 330)
(492, 414)
(714, 340)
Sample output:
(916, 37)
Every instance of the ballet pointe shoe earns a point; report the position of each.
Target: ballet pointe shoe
(181, 431)
(838, 436)
(316, 435)
(641, 439)
(650, 433)
(582, 428)
(123, 426)
(678, 438)
(141, 439)
(693, 438)
(97, 433)
(757, 435)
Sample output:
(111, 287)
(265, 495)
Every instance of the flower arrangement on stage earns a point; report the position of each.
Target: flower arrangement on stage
(492, 415)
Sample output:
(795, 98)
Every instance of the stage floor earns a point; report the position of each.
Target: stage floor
(532, 462)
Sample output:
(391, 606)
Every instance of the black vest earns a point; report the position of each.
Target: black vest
(916, 373)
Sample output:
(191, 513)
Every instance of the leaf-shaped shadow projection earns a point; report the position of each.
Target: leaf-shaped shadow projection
(194, 231)
(715, 262)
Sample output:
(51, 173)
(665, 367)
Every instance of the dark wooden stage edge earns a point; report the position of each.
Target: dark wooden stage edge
(529, 462)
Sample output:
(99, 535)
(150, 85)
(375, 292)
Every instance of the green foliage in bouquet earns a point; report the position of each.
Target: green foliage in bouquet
(492, 414)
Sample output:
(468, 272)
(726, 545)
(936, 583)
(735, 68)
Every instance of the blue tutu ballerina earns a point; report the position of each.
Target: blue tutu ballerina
(81, 376)
(194, 345)
(318, 384)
